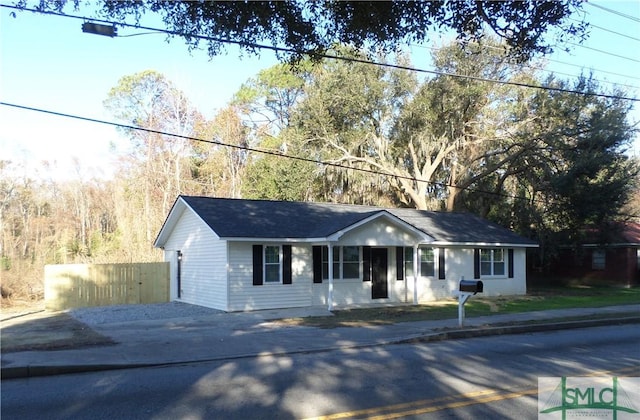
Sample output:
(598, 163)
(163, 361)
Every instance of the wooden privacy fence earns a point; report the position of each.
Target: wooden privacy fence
(80, 285)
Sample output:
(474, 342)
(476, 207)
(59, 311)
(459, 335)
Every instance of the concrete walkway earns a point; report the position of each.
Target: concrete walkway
(240, 335)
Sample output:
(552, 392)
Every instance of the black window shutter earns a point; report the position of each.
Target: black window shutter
(366, 263)
(317, 264)
(257, 265)
(441, 271)
(286, 264)
(399, 263)
(476, 263)
(510, 262)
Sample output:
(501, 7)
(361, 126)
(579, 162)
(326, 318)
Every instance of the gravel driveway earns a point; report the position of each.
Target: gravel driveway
(124, 313)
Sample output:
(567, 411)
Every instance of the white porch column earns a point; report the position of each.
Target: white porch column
(330, 294)
(415, 274)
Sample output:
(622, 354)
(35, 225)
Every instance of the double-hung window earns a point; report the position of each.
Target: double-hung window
(427, 262)
(272, 264)
(325, 262)
(408, 262)
(492, 262)
(350, 262)
(272, 258)
(346, 262)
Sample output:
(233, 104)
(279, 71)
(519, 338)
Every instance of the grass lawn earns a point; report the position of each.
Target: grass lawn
(536, 300)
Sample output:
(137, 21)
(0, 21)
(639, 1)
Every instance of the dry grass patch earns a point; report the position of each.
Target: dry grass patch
(47, 331)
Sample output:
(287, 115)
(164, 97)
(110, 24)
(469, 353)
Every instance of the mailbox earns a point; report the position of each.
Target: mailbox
(471, 286)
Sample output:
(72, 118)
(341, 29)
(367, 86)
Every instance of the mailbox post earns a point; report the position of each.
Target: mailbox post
(466, 289)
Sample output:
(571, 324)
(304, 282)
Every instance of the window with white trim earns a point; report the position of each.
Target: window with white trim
(350, 262)
(408, 263)
(492, 262)
(427, 262)
(272, 264)
(346, 262)
(325, 262)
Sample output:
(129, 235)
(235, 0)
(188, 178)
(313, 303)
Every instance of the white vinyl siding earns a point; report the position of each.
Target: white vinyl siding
(345, 293)
(203, 271)
(377, 233)
(460, 262)
(244, 296)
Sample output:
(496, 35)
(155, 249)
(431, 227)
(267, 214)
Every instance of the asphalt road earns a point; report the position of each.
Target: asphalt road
(491, 377)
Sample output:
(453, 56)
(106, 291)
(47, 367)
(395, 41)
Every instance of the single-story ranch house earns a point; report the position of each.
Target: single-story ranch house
(240, 255)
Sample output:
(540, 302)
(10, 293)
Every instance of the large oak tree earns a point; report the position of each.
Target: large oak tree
(306, 27)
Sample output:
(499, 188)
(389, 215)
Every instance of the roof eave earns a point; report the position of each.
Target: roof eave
(169, 223)
(612, 245)
(272, 239)
(486, 244)
(332, 239)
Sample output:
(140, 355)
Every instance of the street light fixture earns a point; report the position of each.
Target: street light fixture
(99, 29)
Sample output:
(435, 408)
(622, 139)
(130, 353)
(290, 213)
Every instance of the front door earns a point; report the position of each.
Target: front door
(379, 265)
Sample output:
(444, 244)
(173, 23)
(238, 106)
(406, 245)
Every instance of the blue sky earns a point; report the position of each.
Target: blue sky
(48, 62)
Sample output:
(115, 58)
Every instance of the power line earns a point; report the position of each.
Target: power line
(604, 52)
(329, 56)
(555, 71)
(615, 12)
(633, 38)
(190, 138)
(262, 151)
(573, 75)
(594, 69)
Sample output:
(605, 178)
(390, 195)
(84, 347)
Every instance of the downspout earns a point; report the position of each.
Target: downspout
(415, 274)
(330, 294)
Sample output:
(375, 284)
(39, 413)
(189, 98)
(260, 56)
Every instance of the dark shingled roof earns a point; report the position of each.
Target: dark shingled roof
(236, 218)
(459, 227)
(619, 233)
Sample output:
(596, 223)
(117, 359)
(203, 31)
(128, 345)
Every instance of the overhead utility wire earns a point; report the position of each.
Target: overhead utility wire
(615, 12)
(522, 66)
(332, 57)
(604, 52)
(256, 150)
(581, 66)
(591, 25)
(219, 143)
(255, 45)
